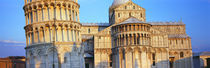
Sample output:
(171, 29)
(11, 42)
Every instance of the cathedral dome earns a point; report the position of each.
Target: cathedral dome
(118, 2)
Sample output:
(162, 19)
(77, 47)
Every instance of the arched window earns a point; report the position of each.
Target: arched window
(141, 14)
(134, 7)
(181, 54)
(118, 14)
(89, 30)
(130, 14)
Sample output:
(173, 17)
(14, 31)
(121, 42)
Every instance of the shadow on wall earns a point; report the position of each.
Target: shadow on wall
(173, 63)
(58, 57)
(181, 63)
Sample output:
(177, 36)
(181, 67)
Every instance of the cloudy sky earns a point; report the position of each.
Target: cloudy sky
(194, 13)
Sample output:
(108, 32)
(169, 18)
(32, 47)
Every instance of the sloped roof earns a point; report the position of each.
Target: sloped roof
(178, 36)
(131, 20)
(95, 24)
(166, 23)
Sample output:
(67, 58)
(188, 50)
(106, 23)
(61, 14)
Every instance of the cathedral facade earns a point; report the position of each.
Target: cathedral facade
(55, 38)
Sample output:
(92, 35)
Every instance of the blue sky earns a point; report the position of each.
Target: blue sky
(194, 13)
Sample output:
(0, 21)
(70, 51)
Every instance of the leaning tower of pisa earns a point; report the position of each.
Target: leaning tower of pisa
(53, 34)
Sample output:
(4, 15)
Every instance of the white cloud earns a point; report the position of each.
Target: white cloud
(10, 41)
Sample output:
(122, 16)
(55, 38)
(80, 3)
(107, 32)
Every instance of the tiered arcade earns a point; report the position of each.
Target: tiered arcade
(53, 35)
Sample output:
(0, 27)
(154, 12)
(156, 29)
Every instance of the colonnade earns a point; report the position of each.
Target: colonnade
(131, 34)
(48, 11)
(131, 27)
(30, 1)
(49, 33)
(131, 39)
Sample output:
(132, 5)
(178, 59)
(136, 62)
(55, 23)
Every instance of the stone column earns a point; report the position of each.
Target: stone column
(29, 13)
(39, 14)
(47, 34)
(30, 34)
(33, 15)
(136, 36)
(59, 33)
(144, 59)
(74, 14)
(40, 35)
(45, 13)
(27, 41)
(67, 13)
(149, 59)
(73, 35)
(51, 12)
(78, 20)
(133, 59)
(63, 12)
(55, 34)
(138, 59)
(76, 35)
(80, 38)
(70, 35)
(52, 33)
(128, 37)
(58, 17)
(62, 33)
(65, 34)
(26, 17)
(35, 36)
(71, 15)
